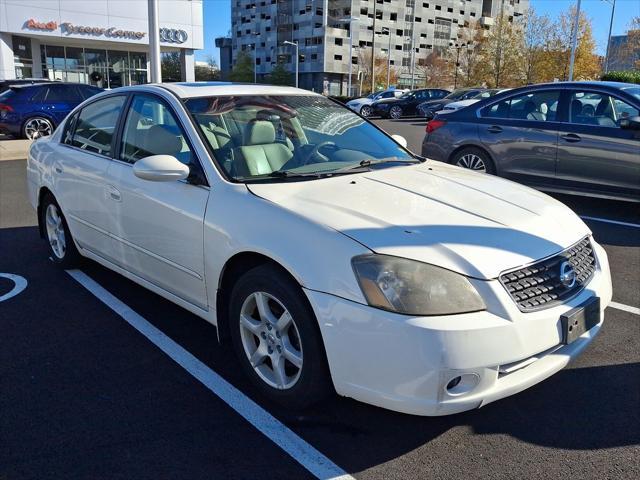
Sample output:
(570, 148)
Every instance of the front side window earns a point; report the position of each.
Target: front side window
(96, 125)
(536, 106)
(598, 109)
(151, 128)
(255, 137)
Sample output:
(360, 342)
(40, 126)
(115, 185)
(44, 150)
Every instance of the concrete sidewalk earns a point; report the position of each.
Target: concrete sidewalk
(14, 149)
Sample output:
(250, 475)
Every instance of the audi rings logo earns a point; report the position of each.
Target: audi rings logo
(171, 35)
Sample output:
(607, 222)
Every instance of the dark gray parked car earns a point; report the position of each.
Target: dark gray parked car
(572, 137)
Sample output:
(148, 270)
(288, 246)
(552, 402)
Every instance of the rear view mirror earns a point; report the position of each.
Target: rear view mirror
(160, 168)
(630, 123)
(400, 140)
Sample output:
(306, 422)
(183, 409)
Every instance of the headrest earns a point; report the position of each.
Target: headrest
(161, 140)
(260, 132)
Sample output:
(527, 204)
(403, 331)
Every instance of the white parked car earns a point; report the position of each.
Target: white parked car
(328, 254)
(363, 105)
(453, 106)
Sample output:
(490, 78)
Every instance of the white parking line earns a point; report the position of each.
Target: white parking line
(626, 308)
(276, 431)
(606, 220)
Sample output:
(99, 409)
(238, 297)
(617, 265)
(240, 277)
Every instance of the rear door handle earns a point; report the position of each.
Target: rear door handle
(114, 193)
(494, 129)
(571, 137)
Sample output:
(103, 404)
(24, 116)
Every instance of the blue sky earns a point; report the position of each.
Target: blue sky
(217, 19)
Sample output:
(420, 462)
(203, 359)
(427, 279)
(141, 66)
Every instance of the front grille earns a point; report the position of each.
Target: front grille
(539, 286)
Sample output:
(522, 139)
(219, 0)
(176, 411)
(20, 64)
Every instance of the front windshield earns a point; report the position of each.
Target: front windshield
(254, 138)
(456, 94)
(635, 91)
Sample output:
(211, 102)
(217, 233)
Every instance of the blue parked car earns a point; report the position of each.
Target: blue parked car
(34, 111)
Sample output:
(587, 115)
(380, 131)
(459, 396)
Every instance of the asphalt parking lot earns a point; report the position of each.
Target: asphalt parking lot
(85, 395)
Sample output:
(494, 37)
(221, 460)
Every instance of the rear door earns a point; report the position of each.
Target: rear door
(521, 135)
(60, 100)
(594, 153)
(80, 172)
(158, 227)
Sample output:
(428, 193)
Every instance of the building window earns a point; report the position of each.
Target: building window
(337, 57)
(338, 41)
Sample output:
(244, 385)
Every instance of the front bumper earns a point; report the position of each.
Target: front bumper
(405, 363)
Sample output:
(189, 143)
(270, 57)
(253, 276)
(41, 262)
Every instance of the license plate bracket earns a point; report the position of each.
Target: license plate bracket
(580, 319)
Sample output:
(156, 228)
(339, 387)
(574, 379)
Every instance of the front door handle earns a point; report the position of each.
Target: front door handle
(114, 193)
(571, 137)
(494, 129)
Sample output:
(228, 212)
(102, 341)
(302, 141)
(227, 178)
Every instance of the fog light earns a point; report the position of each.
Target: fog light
(462, 384)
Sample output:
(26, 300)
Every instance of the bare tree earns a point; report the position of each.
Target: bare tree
(535, 30)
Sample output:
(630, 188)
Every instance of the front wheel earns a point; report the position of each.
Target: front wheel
(276, 338)
(365, 111)
(36, 127)
(474, 159)
(395, 112)
(61, 247)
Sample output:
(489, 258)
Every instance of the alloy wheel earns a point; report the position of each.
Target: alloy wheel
(271, 340)
(38, 127)
(365, 111)
(55, 231)
(472, 162)
(395, 112)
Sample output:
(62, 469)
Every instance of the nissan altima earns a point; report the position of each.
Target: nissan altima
(329, 256)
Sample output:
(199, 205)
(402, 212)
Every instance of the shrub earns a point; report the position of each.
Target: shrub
(627, 77)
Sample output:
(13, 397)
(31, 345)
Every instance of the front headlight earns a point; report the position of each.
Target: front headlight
(414, 288)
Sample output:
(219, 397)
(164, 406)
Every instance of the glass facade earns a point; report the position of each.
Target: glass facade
(99, 67)
(22, 56)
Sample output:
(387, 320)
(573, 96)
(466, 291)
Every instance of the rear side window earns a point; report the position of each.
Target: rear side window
(96, 124)
(535, 106)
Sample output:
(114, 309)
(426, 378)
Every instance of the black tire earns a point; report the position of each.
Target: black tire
(395, 112)
(37, 127)
(471, 158)
(70, 258)
(366, 111)
(313, 383)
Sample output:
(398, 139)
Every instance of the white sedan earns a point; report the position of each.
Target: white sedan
(453, 106)
(363, 105)
(330, 256)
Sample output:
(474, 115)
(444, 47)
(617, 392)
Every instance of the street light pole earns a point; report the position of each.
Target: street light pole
(613, 10)
(295, 44)
(155, 71)
(388, 56)
(350, 21)
(457, 46)
(574, 41)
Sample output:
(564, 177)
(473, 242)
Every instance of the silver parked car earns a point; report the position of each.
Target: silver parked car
(571, 137)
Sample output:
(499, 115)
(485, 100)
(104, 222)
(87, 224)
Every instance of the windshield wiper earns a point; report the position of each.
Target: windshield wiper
(367, 162)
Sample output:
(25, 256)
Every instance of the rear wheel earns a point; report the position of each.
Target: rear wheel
(61, 247)
(36, 127)
(365, 111)
(474, 159)
(276, 338)
(395, 112)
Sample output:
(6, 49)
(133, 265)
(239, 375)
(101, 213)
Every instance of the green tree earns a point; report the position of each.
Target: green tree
(242, 70)
(170, 66)
(208, 73)
(280, 75)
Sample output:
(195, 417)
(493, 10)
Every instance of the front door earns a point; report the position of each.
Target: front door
(158, 226)
(521, 135)
(594, 153)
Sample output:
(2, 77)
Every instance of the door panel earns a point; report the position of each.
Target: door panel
(82, 165)
(157, 226)
(594, 153)
(521, 134)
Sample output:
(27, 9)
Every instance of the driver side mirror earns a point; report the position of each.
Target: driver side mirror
(160, 168)
(400, 140)
(630, 123)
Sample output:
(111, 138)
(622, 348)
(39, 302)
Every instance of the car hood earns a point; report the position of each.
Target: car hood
(359, 101)
(435, 103)
(475, 224)
(463, 103)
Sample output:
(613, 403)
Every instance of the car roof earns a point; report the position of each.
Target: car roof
(205, 89)
(579, 84)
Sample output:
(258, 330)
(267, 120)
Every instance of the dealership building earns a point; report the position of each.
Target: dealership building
(102, 42)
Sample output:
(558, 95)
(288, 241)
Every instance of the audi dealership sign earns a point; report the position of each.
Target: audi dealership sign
(172, 35)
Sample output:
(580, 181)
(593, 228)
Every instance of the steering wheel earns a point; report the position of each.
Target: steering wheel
(315, 153)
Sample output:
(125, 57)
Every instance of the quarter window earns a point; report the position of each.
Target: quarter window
(152, 129)
(535, 106)
(598, 109)
(96, 124)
